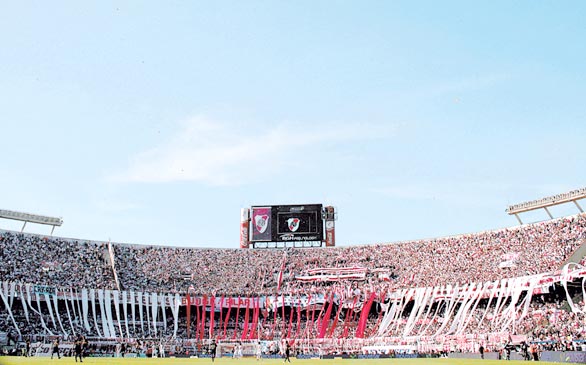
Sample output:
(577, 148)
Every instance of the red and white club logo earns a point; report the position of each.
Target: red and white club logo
(293, 224)
(261, 222)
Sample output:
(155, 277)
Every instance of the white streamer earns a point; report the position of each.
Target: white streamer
(105, 326)
(110, 319)
(176, 304)
(125, 310)
(69, 316)
(147, 308)
(72, 302)
(48, 302)
(56, 305)
(5, 300)
(154, 303)
(23, 303)
(132, 309)
(78, 304)
(12, 292)
(92, 294)
(85, 309)
(162, 298)
(40, 315)
(116, 297)
(139, 297)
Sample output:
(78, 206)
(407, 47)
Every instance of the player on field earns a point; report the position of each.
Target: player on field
(287, 352)
(239, 351)
(213, 348)
(55, 349)
(258, 351)
(78, 344)
(28, 347)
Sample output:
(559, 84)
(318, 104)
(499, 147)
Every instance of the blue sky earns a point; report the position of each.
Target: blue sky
(149, 123)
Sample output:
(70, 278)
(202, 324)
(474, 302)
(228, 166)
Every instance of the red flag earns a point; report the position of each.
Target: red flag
(197, 320)
(364, 316)
(281, 271)
(220, 317)
(282, 314)
(227, 317)
(274, 317)
(203, 317)
(333, 328)
(237, 314)
(319, 316)
(212, 315)
(380, 314)
(307, 315)
(188, 308)
(256, 312)
(298, 317)
(246, 318)
(326, 320)
(290, 322)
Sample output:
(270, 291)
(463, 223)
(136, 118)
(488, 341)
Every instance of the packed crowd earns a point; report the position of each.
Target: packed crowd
(550, 322)
(209, 271)
(478, 257)
(60, 262)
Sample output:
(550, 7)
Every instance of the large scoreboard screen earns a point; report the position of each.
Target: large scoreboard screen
(299, 223)
(287, 223)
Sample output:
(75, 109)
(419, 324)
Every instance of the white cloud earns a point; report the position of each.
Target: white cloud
(221, 153)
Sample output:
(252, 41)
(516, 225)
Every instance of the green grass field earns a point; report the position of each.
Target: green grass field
(112, 361)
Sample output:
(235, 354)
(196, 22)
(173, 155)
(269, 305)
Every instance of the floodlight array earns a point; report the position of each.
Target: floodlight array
(31, 218)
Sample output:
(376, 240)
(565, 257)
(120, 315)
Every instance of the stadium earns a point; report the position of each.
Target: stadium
(514, 293)
(313, 182)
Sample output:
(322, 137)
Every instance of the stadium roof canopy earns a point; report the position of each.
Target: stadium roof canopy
(31, 218)
(544, 203)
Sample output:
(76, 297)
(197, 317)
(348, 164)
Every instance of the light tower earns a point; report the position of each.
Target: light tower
(544, 203)
(31, 218)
